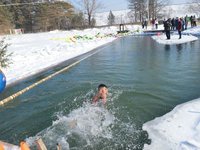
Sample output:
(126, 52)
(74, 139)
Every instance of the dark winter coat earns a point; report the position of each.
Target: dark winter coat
(167, 25)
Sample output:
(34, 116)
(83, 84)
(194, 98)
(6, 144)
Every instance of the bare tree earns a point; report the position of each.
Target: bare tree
(147, 8)
(90, 7)
(138, 8)
(197, 2)
(156, 6)
(131, 16)
(195, 7)
(5, 20)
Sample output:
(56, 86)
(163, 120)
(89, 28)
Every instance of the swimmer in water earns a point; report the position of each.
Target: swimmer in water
(101, 96)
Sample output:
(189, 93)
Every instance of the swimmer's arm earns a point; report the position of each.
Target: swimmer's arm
(104, 101)
(95, 99)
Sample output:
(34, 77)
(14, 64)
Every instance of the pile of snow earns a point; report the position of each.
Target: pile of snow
(193, 31)
(179, 129)
(162, 39)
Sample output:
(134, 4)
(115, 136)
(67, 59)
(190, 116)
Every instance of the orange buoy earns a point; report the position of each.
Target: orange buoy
(24, 146)
(1, 147)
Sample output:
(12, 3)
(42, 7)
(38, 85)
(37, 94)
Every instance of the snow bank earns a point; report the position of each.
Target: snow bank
(162, 39)
(193, 31)
(179, 129)
(32, 53)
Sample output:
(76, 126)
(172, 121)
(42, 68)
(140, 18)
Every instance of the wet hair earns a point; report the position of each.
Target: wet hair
(101, 86)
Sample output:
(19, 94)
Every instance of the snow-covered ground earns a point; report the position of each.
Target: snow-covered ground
(187, 36)
(32, 53)
(193, 31)
(177, 130)
(162, 39)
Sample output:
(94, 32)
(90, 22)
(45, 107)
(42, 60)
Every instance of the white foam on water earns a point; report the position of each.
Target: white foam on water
(91, 127)
(83, 124)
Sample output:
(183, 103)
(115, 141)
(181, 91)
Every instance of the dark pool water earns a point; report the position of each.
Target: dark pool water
(145, 80)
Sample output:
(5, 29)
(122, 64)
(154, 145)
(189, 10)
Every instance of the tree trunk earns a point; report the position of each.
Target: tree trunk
(89, 19)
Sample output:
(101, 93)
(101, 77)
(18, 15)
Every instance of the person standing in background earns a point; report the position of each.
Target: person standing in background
(179, 27)
(173, 24)
(167, 26)
(186, 21)
(156, 23)
(145, 24)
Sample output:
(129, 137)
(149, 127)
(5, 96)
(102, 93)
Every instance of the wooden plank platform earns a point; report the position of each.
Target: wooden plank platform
(125, 31)
(153, 31)
(40, 144)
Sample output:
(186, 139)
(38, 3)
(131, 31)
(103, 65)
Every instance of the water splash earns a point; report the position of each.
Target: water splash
(80, 128)
(91, 127)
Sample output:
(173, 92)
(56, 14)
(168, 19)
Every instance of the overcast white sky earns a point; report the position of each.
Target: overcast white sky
(122, 4)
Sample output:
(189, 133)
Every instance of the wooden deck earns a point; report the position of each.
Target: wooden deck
(153, 31)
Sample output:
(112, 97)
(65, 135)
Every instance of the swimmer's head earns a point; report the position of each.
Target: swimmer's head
(103, 90)
(102, 86)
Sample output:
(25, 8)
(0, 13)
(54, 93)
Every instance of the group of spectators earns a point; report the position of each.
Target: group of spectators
(185, 21)
(154, 23)
(179, 24)
(173, 24)
(144, 24)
